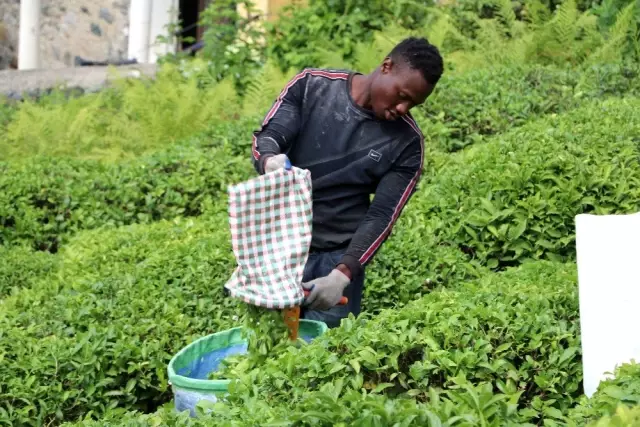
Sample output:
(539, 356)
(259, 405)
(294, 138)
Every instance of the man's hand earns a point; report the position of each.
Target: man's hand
(325, 292)
(274, 163)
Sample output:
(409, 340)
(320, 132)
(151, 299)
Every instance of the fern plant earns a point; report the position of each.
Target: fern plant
(536, 14)
(622, 40)
(263, 88)
(567, 38)
(131, 118)
(441, 30)
(506, 16)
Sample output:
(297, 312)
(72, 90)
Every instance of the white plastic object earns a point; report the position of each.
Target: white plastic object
(608, 257)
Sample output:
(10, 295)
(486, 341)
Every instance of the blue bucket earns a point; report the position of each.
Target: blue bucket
(189, 369)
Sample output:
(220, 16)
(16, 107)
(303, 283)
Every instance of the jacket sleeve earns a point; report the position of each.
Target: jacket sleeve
(281, 124)
(392, 194)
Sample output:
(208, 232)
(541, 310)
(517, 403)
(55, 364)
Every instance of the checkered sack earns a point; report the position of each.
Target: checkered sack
(270, 218)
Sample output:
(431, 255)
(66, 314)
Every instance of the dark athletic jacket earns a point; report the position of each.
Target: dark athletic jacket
(350, 155)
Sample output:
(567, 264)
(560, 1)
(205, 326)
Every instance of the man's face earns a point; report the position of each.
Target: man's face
(397, 89)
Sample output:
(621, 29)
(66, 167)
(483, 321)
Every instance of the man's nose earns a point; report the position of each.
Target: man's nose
(402, 109)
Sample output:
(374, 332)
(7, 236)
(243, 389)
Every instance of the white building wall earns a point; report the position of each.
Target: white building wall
(95, 30)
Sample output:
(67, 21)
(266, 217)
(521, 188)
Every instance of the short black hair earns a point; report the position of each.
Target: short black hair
(420, 55)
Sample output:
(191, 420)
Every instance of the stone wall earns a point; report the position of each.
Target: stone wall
(9, 14)
(94, 30)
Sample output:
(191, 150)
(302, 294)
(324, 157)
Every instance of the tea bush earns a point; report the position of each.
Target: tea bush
(515, 331)
(623, 390)
(93, 339)
(498, 351)
(623, 417)
(413, 262)
(614, 405)
(515, 198)
(40, 207)
(44, 201)
(140, 233)
(21, 267)
(125, 299)
(100, 334)
(324, 408)
(465, 107)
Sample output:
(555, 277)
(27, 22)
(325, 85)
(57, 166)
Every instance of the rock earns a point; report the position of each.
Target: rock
(85, 10)
(122, 6)
(70, 19)
(13, 95)
(106, 15)
(95, 29)
(8, 44)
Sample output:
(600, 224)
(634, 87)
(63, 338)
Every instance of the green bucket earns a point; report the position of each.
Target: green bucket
(189, 369)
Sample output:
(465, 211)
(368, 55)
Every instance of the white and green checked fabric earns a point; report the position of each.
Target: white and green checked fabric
(270, 218)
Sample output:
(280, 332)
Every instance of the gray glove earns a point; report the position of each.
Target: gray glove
(276, 162)
(325, 292)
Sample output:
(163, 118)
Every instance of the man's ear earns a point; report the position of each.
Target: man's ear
(386, 66)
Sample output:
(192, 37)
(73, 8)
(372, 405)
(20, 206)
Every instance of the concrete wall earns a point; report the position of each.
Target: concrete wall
(95, 30)
(92, 29)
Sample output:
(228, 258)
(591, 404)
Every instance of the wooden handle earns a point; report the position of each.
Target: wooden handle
(292, 320)
(343, 300)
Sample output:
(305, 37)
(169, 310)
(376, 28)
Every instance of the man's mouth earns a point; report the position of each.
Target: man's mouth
(391, 115)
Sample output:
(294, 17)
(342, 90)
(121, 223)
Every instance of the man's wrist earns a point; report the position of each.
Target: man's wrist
(262, 162)
(351, 264)
(342, 268)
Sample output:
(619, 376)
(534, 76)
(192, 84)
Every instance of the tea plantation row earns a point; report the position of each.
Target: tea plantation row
(510, 338)
(514, 198)
(90, 333)
(487, 101)
(98, 332)
(114, 309)
(45, 200)
(503, 350)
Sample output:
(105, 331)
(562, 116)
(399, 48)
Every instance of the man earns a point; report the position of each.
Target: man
(355, 135)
